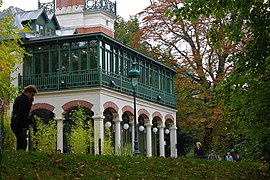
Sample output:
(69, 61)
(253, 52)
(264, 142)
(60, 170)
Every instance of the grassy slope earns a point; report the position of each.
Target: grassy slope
(22, 165)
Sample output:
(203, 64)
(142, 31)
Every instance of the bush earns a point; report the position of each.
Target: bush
(125, 150)
(44, 136)
(81, 136)
(9, 137)
(107, 145)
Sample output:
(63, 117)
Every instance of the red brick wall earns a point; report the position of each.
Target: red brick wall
(65, 3)
(94, 30)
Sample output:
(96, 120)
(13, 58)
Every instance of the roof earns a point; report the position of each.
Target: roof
(12, 11)
(31, 15)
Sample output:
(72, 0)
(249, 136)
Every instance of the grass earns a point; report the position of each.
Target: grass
(23, 165)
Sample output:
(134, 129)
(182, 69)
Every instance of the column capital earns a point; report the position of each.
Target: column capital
(98, 117)
(148, 124)
(60, 118)
(162, 126)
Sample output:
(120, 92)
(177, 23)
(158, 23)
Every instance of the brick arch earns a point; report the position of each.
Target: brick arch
(158, 115)
(129, 110)
(112, 106)
(144, 113)
(42, 106)
(75, 103)
(169, 118)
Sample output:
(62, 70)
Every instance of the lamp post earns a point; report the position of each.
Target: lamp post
(134, 74)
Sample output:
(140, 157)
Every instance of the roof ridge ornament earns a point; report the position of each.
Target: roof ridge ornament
(49, 7)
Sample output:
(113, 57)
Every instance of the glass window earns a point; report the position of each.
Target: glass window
(93, 58)
(41, 30)
(55, 67)
(27, 65)
(65, 61)
(83, 59)
(75, 59)
(37, 59)
(46, 62)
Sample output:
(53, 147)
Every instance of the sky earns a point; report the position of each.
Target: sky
(125, 8)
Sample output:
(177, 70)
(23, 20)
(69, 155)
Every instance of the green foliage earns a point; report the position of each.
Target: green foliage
(126, 31)
(108, 149)
(125, 150)
(10, 55)
(246, 92)
(36, 165)
(90, 137)
(44, 136)
(9, 137)
(81, 136)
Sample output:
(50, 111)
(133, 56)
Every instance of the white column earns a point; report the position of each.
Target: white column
(60, 134)
(173, 141)
(117, 122)
(132, 124)
(161, 141)
(98, 132)
(149, 140)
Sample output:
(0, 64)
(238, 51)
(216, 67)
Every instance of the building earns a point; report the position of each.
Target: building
(75, 59)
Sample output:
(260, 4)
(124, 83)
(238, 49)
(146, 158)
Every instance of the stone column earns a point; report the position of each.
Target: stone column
(117, 121)
(98, 133)
(161, 141)
(149, 139)
(173, 142)
(60, 134)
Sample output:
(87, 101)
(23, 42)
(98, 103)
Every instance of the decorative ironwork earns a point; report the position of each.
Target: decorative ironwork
(49, 7)
(104, 5)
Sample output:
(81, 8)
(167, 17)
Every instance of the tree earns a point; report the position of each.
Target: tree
(200, 54)
(11, 53)
(125, 32)
(247, 89)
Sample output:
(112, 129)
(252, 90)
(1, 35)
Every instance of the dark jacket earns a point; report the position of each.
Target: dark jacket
(198, 153)
(20, 113)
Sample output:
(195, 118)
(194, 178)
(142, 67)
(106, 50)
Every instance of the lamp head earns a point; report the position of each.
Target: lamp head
(134, 74)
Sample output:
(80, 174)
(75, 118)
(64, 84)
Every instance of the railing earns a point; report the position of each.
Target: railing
(96, 78)
(105, 5)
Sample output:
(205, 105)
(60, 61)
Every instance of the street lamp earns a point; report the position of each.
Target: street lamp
(134, 74)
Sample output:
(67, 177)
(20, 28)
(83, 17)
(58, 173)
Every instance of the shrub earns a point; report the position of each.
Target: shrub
(9, 137)
(107, 145)
(81, 136)
(44, 136)
(125, 150)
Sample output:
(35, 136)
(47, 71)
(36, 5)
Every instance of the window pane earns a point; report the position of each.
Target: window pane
(93, 58)
(27, 65)
(37, 63)
(55, 67)
(83, 59)
(65, 61)
(46, 62)
(75, 59)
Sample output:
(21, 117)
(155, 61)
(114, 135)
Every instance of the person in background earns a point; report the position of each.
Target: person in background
(198, 151)
(228, 156)
(20, 115)
(237, 158)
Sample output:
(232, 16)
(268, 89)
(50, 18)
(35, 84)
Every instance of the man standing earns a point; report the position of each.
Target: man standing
(20, 115)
